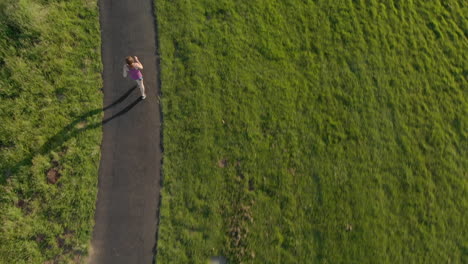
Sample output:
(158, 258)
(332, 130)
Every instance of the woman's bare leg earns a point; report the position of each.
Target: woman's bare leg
(142, 88)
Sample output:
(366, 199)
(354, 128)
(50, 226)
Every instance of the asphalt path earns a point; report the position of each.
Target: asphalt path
(130, 169)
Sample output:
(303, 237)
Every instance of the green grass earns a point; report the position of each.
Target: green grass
(314, 131)
(50, 115)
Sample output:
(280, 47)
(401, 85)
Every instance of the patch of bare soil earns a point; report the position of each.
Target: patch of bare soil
(81, 125)
(222, 163)
(40, 238)
(24, 205)
(53, 174)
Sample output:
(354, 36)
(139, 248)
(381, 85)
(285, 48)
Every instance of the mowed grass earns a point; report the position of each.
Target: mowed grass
(314, 131)
(50, 113)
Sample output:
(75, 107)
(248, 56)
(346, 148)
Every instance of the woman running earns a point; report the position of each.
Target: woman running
(133, 66)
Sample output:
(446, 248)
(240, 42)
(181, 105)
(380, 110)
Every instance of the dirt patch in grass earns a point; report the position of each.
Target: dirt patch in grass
(222, 163)
(53, 174)
(40, 238)
(82, 125)
(24, 205)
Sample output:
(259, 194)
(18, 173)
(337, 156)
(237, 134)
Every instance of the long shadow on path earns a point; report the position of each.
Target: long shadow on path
(73, 129)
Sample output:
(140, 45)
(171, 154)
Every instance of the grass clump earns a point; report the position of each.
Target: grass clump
(314, 131)
(49, 134)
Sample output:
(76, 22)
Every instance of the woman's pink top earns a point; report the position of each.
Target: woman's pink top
(134, 72)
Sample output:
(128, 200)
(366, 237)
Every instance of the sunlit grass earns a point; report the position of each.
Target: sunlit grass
(50, 115)
(314, 131)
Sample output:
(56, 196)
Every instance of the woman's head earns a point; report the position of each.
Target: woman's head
(129, 60)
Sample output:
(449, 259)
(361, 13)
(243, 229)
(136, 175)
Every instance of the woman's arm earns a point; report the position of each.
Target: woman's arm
(125, 70)
(138, 62)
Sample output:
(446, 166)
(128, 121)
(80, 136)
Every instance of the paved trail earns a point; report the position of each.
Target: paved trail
(129, 175)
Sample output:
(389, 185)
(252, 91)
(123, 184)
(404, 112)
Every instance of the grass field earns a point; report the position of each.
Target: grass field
(314, 131)
(50, 103)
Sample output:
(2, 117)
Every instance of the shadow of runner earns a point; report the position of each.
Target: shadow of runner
(123, 111)
(120, 99)
(70, 131)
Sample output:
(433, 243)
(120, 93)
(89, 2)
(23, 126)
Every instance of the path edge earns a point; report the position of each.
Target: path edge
(161, 118)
